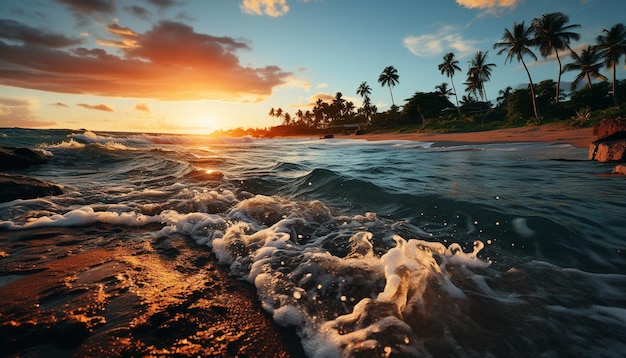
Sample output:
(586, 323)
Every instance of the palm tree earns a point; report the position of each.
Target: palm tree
(480, 72)
(588, 63)
(448, 67)
(389, 77)
(516, 44)
(443, 90)
(364, 90)
(472, 88)
(552, 36)
(503, 95)
(612, 45)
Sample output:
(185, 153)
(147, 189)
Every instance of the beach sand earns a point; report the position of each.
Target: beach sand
(578, 137)
(107, 291)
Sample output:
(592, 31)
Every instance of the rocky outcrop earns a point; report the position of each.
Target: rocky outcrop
(620, 169)
(15, 186)
(611, 143)
(17, 158)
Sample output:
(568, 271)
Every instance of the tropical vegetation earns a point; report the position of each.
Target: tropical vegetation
(548, 35)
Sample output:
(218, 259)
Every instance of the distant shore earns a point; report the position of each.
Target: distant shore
(577, 137)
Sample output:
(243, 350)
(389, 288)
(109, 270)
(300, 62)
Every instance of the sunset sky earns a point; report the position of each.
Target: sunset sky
(193, 66)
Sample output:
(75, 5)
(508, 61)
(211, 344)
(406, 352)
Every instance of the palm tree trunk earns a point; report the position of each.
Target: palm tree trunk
(615, 98)
(589, 80)
(558, 81)
(532, 89)
(456, 97)
(392, 102)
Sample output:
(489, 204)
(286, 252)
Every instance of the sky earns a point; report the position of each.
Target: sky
(194, 66)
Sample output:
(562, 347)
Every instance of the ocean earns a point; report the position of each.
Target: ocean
(366, 248)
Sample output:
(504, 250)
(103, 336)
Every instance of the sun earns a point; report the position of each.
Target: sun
(205, 125)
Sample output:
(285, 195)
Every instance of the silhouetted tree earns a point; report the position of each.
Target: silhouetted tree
(448, 67)
(588, 65)
(389, 77)
(612, 46)
(516, 44)
(553, 35)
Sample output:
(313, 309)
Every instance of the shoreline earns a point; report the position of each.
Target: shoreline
(550, 133)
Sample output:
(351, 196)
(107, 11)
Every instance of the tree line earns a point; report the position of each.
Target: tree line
(546, 36)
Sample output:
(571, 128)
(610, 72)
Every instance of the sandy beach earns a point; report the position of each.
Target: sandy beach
(578, 137)
(75, 292)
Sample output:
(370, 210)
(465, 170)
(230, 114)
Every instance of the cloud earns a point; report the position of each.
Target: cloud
(164, 4)
(98, 107)
(273, 8)
(139, 11)
(489, 4)
(91, 6)
(168, 62)
(325, 97)
(15, 31)
(17, 112)
(447, 39)
(59, 104)
(143, 107)
(127, 37)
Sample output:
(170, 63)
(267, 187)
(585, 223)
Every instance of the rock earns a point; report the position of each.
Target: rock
(15, 158)
(15, 186)
(608, 127)
(608, 150)
(611, 143)
(620, 169)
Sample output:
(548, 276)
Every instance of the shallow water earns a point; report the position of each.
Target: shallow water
(374, 248)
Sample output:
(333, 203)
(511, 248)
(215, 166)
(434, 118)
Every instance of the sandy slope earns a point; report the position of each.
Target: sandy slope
(578, 137)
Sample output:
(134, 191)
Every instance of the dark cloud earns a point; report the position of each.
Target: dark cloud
(140, 12)
(16, 31)
(169, 62)
(59, 104)
(90, 6)
(17, 112)
(164, 4)
(98, 107)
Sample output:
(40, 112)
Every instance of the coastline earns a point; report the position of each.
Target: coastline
(551, 133)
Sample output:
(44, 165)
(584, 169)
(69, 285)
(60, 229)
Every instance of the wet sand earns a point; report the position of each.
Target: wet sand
(552, 133)
(106, 291)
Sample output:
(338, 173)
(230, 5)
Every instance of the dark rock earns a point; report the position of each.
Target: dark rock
(611, 143)
(15, 158)
(15, 186)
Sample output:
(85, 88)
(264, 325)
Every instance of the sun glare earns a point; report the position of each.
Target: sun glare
(205, 125)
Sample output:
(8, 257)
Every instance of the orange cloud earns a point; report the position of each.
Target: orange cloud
(17, 112)
(144, 107)
(272, 8)
(98, 107)
(169, 62)
(488, 4)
